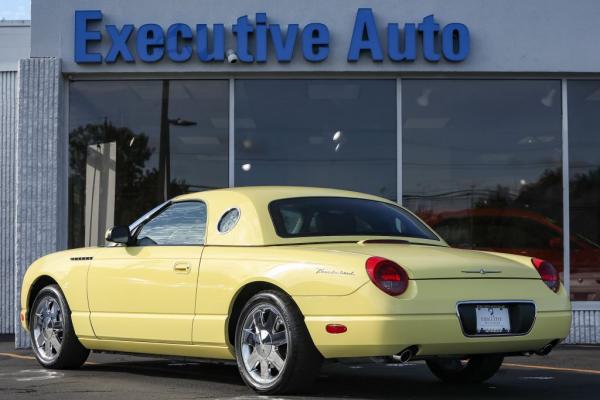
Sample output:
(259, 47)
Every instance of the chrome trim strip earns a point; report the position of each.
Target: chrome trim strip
(566, 180)
(481, 271)
(496, 302)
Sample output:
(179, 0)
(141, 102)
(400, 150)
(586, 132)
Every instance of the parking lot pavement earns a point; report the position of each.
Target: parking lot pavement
(567, 372)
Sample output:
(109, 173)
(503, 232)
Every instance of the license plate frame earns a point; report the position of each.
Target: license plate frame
(492, 319)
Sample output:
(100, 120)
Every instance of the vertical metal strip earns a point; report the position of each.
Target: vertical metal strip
(565, 191)
(399, 140)
(231, 132)
(63, 233)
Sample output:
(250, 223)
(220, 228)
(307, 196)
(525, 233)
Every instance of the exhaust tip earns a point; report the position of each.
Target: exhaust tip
(406, 355)
(547, 348)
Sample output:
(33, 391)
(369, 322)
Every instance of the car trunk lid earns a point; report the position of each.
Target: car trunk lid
(423, 261)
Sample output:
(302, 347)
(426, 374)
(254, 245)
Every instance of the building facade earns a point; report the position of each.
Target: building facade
(15, 37)
(480, 116)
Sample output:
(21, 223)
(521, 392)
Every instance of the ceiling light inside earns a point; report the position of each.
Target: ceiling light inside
(548, 99)
(423, 98)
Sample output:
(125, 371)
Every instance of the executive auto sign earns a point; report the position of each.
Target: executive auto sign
(151, 43)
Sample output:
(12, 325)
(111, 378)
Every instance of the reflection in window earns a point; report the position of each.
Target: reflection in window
(343, 216)
(134, 144)
(331, 133)
(482, 163)
(584, 160)
(179, 224)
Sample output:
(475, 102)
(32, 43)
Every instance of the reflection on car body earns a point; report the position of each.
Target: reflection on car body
(523, 232)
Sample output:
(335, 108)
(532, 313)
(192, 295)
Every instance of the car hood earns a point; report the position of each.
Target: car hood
(441, 262)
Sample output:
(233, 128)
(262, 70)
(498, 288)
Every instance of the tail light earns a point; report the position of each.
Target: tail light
(336, 328)
(387, 275)
(548, 273)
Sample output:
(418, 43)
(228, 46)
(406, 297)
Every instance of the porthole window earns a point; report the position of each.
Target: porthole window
(228, 220)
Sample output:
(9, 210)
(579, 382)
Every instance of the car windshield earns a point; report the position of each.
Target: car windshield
(344, 216)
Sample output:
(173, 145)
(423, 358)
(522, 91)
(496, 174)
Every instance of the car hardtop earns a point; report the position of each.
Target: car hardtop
(255, 226)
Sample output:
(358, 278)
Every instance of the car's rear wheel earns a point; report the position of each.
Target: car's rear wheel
(274, 351)
(53, 340)
(471, 370)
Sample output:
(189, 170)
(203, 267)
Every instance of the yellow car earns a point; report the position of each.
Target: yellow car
(280, 278)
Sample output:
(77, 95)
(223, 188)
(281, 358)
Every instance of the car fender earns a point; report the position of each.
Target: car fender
(69, 270)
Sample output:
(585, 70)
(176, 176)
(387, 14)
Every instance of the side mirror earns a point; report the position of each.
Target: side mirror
(118, 234)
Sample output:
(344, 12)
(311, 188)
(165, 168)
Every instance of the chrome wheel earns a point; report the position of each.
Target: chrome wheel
(48, 328)
(264, 344)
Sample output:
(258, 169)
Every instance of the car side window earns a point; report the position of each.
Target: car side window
(177, 225)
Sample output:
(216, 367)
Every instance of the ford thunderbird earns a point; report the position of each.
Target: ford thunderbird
(280, 279)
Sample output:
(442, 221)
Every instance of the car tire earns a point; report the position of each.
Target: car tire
(274, 351)
(53, 339)
(473, 370)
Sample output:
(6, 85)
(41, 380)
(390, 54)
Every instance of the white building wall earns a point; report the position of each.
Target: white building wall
(41, 180)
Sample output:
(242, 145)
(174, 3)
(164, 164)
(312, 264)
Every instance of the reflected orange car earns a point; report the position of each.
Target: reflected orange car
(525, 233)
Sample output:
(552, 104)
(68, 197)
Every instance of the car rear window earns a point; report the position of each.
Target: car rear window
(344, 216)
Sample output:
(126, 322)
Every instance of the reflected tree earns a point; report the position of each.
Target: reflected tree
(543, 196)
(137, 185)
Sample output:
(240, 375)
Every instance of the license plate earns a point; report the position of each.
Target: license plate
(492, 319)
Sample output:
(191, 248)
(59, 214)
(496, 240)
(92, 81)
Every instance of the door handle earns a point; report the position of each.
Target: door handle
(182, 267)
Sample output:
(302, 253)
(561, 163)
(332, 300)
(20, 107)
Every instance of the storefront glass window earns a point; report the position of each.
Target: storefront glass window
(331, 133)
(134, 144)
(584, 160)
(482, 163)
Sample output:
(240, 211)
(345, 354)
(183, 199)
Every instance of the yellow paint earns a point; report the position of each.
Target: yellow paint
(136, 293)
(133, 299)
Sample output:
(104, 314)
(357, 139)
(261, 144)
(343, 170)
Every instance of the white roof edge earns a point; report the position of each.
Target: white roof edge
(15, 22)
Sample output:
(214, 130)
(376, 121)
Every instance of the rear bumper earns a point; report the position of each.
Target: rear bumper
(425, 316)
(369, 336)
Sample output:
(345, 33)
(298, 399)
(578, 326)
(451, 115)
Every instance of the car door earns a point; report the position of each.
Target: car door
(146, 291)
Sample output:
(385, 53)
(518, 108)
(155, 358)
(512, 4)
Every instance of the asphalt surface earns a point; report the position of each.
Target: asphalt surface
(568, 372)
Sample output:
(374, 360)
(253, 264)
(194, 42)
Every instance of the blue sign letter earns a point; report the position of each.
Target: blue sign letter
(315, 42)
(364, 36)
(455, 42)
(218, 45)
(395, 51)
(261, 37)
(83, 36)
(174, 51)
(119, 43)
(429, 29)
(241, 31)
(150, 43)
(284, 48)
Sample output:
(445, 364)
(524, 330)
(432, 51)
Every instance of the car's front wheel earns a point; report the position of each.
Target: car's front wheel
(471, 370)
(53, 339)
(274, 351)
